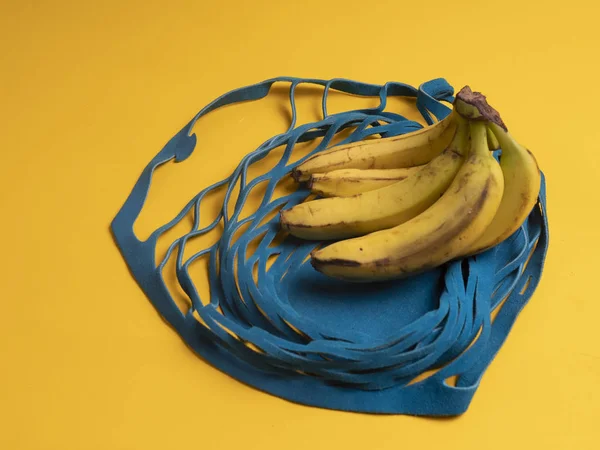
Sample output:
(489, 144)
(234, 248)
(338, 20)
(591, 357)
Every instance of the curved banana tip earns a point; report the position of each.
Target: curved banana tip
(310, 182)
(315, 261)
(297, 175)
(318, 264)
(283, 221)
(474, 105)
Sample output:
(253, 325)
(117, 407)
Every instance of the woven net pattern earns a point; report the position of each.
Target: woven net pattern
(251, 329)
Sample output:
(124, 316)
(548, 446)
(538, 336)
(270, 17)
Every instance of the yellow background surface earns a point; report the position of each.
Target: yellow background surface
(90, 91)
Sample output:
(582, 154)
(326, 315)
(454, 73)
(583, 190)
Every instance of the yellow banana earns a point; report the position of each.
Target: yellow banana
(386, 207)
(519, 167)
(522, 180)
(439, 234)
(407, 150)
(348, 182)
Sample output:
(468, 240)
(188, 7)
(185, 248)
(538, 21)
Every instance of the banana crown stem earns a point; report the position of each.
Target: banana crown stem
(479, 144)
(474, 106)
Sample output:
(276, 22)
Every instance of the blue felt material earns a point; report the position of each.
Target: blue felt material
(325, 342)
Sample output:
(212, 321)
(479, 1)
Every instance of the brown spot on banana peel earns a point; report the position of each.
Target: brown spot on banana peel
(290, 225)
(478, 101)
(296, 175)
(455, 154)
(383, 262)
(283, 222)
(317, 263)
(296, 225)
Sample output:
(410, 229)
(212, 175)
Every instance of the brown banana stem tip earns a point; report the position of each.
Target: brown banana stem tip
(309, 183)
(296, 174)
(478, 100)
(283, 221)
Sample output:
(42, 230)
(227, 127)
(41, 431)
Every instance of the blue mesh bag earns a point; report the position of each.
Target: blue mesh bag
(415, 346)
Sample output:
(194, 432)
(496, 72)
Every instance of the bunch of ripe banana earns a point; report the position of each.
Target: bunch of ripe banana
(402, 205)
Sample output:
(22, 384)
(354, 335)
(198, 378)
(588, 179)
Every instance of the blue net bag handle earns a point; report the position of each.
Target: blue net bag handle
(384, 348)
